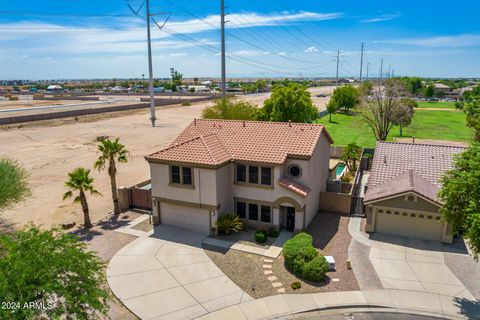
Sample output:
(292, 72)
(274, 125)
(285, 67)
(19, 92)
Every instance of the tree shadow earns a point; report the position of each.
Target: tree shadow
(6, 227)
(469, 308)
(323, 227)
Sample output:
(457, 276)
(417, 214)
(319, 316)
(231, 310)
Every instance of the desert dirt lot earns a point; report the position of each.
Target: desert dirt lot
(51, 149)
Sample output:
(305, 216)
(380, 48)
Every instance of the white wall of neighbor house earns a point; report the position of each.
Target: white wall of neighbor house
(203, 191)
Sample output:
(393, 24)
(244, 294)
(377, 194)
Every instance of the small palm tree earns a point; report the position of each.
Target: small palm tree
(111, 151)
(80, 180)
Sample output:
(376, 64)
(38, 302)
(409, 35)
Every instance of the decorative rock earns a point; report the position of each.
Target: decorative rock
(267, 266)
(267, 272)
(272, 278)
(335, 280)
(268, 260)
(277, 284)
(281, 290)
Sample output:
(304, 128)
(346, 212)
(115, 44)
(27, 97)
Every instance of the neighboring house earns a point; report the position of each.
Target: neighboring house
(402, 190)
(269, 173)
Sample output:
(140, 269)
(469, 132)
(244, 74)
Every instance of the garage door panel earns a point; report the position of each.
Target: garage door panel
(412, 227)
(196, 219)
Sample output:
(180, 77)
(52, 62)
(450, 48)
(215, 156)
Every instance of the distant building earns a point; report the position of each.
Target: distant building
(54, 88)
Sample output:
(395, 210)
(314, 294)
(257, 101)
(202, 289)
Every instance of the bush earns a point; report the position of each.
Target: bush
(186, 103)
(261, 236)
(347, 177)
(315, 269)
(230, 109)
(296, 285)
(272, 233)
(302, 258)
(229, 223)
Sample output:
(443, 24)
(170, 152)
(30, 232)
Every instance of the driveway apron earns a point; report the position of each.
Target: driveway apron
(165, 274)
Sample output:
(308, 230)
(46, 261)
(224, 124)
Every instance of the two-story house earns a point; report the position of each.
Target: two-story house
(269, 173)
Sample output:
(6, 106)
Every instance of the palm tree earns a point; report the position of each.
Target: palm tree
(80, 180)
(111, 150)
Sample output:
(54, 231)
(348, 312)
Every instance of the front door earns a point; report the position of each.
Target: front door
(290, 219)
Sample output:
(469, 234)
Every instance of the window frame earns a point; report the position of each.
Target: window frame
(260, 206)
(260, 175)
(269, 213)
(181, 176)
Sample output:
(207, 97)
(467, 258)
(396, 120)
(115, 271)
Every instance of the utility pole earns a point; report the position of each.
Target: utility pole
(338, 59)
(389, 70)
(150, 68)
(224, 73)
(368, 67)
(381, 70)
(361, 64)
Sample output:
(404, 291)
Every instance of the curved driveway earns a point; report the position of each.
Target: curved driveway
(165, 274)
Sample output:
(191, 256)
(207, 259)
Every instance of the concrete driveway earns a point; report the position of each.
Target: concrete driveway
(167, 275)
(412, 264)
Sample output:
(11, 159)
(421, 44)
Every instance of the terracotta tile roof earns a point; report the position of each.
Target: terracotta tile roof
(409, 181)
(213, 142)
(393, 160)
(296, 187)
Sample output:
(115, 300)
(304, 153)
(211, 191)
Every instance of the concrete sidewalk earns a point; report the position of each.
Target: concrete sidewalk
(402, 301)
(165, 274)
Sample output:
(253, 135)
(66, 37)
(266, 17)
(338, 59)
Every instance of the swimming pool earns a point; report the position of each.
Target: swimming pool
(339, 169)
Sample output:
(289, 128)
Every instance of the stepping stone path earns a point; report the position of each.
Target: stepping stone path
(267, 270)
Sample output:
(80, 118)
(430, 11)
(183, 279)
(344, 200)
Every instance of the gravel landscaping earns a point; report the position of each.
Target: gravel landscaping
(330, 237)
(144, 226)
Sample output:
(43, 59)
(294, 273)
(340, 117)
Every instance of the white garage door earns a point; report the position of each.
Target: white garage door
(196, 219)
(407, 226)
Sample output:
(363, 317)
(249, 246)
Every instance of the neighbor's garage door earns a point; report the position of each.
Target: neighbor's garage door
(407, 226)
(196, 219)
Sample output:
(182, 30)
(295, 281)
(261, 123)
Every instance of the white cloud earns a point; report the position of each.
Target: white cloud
(311, 49)
(455, 41)
(178, 54)
(383, 17)
(250, 53)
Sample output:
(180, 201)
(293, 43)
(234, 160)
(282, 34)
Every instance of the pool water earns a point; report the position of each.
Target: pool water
(339, 169)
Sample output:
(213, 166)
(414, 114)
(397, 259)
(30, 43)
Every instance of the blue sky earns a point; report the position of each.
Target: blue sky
(104, 39)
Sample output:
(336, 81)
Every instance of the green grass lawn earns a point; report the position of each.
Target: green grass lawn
(426, 124)
(442, 104)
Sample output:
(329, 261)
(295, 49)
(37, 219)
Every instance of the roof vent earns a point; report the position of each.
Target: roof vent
(290, 123)
(195, 121)
(385, 159)
(413, 138)
(243, 123)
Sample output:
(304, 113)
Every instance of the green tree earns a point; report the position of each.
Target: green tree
(346, 97)
(230, 109)
(471, 107)
(402, 115)
(110, 152)
(460, 195)
(351, 154)
(261, 85)
(81, 182)
(176, 76)
(331, 108)
(13, 182)
(53, 268)
(413, 84)
(290, 102)
(429, 91)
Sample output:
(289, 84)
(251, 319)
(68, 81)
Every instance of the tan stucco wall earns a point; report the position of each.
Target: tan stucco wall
(400, 202)
(335, 202)
(204, 190)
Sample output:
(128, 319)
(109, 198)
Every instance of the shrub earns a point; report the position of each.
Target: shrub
(186, 103)
(296, 285)
(261, 236)
(229, 223)
(302, 258)
(315, 269)
(347, 177)
(272, 233)
(230, 109)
